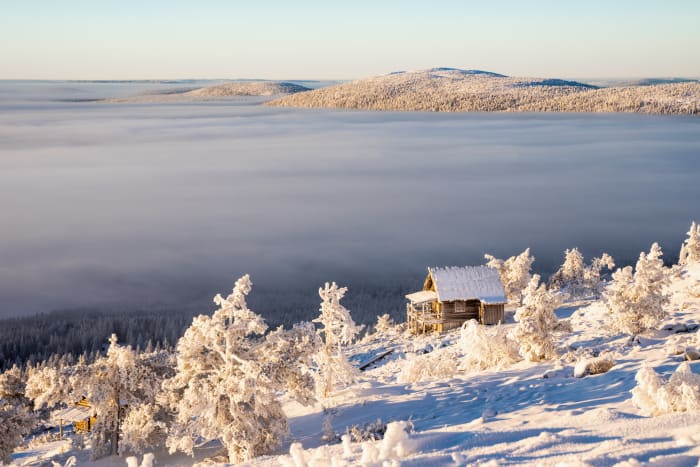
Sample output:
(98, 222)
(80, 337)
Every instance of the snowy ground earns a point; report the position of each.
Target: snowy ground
(527, 414)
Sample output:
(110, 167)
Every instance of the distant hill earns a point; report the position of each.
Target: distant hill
(253, 88)
(233, 89)
(455, 90)
(654, 81)
(680, 98)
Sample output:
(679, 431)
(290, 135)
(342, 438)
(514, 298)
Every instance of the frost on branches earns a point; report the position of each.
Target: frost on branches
(655, 396)
(690, 250)
(537, 321)
(484, 348)
(229, 378)
(384, 324)
(16, 419)
(338, 330)
(514, 272)
(636, 299)
(578, 279)
(120, 386)
(440, 363)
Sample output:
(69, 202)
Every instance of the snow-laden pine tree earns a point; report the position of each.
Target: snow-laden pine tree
(690, 249)
(636, 299)
(145, 421)
(570, 274)
(228, 379)
(384, 324)
(578, 279)
(514, 272)
(592, 282)
(537, 321)
(16, 417)
(338, 330)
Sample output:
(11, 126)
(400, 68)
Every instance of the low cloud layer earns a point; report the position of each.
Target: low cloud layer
(168, 204)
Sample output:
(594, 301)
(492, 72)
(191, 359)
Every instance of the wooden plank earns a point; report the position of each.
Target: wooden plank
(375, 359)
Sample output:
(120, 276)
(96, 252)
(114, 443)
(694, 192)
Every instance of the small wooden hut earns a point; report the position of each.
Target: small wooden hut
(453, 295)
(79, 414)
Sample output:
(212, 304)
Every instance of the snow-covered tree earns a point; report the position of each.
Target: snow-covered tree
(338, 330)
(384, 324)
(570, 274)
(577, 278)
(690, 250)
(13, 385)
(592, 282)
(119, 387)
(537, 321)
(228, 379)
(145, 421)
(440, 363)
(636, 299)
(50, 383)
(514, 272)
(16, 418)
(484, 347)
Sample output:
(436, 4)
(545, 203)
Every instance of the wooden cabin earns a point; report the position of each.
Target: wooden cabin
(453, 295)
(79, 414)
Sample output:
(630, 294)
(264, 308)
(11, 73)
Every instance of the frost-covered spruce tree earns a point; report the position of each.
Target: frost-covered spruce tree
(592, 282)
(384, 324)
(514, 272)
(636, 299)
(49, 385)
(145, 421)
(569, 276)
(118, 387)
(338, 330)
(228, 379)
(537, 321)
(16, 417)
(578, 279)
(690, 250)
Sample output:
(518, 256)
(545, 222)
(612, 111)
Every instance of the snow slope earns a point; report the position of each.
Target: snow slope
(528, 414)
(525, 414)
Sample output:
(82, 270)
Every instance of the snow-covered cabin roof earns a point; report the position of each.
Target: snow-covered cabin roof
(75, 413)
(468, 283)
(424, 296)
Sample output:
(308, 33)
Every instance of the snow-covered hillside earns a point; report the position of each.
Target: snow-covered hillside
(453, 90)
(525, 414)
(432, 408)
(219, 91)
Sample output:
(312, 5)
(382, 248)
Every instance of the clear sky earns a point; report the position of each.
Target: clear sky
(314, 39)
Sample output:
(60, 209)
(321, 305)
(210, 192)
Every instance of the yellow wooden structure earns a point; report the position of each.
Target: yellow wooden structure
(79, 414)
(85, 425)
(453, 295)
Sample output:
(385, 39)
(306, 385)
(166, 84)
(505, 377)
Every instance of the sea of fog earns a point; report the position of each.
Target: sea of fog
(165, 205)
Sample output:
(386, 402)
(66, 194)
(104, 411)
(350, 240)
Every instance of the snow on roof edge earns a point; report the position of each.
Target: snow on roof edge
(468, 283)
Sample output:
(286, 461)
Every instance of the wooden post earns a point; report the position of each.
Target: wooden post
(60, 428)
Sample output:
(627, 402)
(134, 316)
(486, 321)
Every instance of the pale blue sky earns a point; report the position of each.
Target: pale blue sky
(89, 39)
